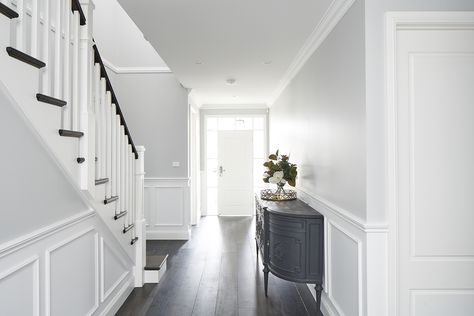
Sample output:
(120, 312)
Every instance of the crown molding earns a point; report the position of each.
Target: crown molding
(331, 17)
(135, 70)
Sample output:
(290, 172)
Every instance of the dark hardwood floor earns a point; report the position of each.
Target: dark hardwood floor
(216, 273)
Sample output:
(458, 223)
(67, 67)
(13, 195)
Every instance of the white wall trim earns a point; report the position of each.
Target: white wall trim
(25, 240)
(331, 17)
(395, 21)
(105, 293)
(136, 69)
(34, 260)
(324, 206)
(47, 268)
(331, 225)
(178, 225)
(117, 301)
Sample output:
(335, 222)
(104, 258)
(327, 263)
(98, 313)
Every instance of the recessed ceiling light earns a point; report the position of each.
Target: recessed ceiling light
(268, 62)
(230, 81)
(234, 96)
(198, 62)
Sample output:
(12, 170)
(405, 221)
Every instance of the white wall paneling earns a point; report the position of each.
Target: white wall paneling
(167, 208)
(58, 270)
(352, 248)
(20, 283)
(113, 270)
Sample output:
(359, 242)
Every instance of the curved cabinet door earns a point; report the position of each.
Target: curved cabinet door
(287, 254)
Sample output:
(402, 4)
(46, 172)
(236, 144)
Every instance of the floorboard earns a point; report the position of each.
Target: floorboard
(216, 272)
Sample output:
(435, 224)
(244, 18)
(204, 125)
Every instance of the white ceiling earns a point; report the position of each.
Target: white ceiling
(119, 40)
(232, 39)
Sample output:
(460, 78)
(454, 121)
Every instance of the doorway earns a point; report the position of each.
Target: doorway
(229, 190)
(430, 153)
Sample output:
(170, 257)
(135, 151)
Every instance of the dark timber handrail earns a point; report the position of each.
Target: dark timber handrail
(109, 88)
(76, 6)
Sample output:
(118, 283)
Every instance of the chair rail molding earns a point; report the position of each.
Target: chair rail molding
(167, 208)
(365, 246)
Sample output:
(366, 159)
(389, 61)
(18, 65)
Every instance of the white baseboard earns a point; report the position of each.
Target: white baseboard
(182, 234)
(117, 301)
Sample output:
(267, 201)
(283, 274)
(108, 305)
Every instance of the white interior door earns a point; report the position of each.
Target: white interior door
(435, 160)
(235, 173)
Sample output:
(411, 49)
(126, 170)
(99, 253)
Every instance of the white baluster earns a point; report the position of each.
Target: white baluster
(98, 140)
(134, 193)
(122, 171)
(113, 161)
(108, 142)
(124, 183)
(130, 184)
(58, 54)
(45, 72)
(118, 140)
(103, 145)
(75, 71)
(19, 27)
(35, 12)
(67, 65)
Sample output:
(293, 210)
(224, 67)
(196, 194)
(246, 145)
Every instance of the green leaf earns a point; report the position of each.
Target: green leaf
(277, 152)
(292, 182)
(272, 157)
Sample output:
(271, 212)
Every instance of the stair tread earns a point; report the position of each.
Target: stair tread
(101, 181)
(50, 100)
(15, 53)
(8, 12)
(155, 262)
(69, 133)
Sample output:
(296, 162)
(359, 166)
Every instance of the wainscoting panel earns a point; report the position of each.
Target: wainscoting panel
(349, 255)
(113, 269)
(167, 208)
(71, 275)
(343, 270)
(19, 288)
(59, 270)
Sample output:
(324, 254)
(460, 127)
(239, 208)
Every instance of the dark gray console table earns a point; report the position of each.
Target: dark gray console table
(289, 236)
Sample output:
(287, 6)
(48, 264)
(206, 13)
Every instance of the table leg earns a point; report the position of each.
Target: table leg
(265, 277)
(319, 288)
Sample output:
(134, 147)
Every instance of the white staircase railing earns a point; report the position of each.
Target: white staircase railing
(56, 36)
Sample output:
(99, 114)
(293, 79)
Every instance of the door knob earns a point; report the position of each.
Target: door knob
(221, 171)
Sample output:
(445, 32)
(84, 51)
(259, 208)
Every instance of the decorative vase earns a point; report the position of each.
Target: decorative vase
(280, 189)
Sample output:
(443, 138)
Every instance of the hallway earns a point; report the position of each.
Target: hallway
(215, 273)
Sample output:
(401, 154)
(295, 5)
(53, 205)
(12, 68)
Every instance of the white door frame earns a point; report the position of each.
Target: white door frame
(225, 112)
(407, 21)
(194, 165)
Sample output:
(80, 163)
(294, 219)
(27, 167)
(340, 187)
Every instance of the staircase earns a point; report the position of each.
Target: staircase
(52, 67)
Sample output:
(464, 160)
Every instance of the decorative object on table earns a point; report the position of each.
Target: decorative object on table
(279, 171)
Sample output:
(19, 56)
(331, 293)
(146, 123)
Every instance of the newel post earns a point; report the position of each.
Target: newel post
(86, 102)
(140, 222)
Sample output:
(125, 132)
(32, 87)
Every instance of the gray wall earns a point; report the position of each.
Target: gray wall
(319, 119)
(33, 191)
(156, 110)
(375, 26)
